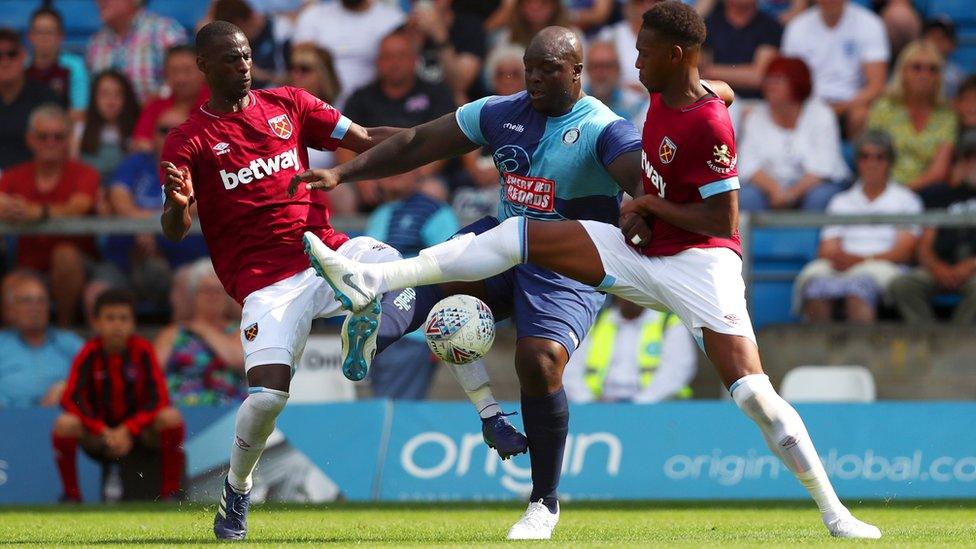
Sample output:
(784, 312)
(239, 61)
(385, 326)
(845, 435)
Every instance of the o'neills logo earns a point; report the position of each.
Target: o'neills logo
(260, 168)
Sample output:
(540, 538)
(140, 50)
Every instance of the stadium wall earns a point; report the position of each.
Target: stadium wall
(378, 450)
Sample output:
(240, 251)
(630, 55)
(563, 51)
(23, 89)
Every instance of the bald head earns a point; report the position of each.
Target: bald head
(558, 42)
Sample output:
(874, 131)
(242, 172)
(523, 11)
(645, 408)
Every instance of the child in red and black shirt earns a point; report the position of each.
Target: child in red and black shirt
(116, 394)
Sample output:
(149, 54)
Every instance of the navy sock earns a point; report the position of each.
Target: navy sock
(546, 421)
(405, 311)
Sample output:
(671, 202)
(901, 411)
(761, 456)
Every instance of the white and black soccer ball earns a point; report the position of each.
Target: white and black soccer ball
(460, 329)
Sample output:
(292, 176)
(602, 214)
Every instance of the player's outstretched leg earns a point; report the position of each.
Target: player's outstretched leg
(737, 359)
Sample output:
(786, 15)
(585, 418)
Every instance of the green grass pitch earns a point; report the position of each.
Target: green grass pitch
(904, 524)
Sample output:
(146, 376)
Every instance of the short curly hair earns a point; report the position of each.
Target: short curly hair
(676, 21)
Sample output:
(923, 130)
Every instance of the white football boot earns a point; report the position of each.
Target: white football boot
(536, 523)
(844, 525)
(345, 276)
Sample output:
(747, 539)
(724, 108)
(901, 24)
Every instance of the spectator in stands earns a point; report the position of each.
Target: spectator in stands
(52, 186)
(965, 104)
(65, 73)
(410, 221)
(398, 99)
(590, 16)
(603, 81)
(623, 35)
(528, 18)
(19, 96)
(453, 45)
(116, 397)
(632, 354)
(858, 262)
(781, 10)
(311, 68)
(356, 28)
(845, 46)
(187, 91)
(805, 168)
(35, 358)
(941, 32)
(267, 47)
(915, 114)
(134, 41)
(202, 357)
(946, 255)
(902, 23)
(741, 41)
(102, 139)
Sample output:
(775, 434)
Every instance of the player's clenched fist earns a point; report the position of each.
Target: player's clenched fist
(635, 229)
(314, 179)
(178, 187)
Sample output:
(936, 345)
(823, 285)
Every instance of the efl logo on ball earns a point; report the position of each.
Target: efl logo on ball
(460, 329)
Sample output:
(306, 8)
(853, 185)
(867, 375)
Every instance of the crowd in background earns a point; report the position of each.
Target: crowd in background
(868, 112)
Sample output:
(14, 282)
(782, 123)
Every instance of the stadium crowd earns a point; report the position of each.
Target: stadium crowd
(868, 111)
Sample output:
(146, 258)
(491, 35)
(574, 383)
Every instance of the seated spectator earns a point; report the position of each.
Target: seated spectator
(623, 35)
(19, 96)
(116, 397)
(266, 40)
(102, 139)
(603, 82)
(965, 105)
(782, 11)
(858, 262)
(632, 354)
(134, 41)
(741, 41)
(65, 73)
(356, 28)
(410, 221)
(946, 255)
(913, 112)
(35, 358)
(902, 23)
(453, 46)
(941, 32)
(806, 168)
(590, 15)
(311, 69)
(187, 91)
(528, 18)
(52, 186)
(845, 46)
(202, 357)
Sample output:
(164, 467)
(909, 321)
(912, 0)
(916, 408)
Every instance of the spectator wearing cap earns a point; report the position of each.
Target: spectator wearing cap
(104, 136)
(603, 81)
(941, 32)
(806, 168)
(186, 90)
(135, 41)
(857, 263)
(63, 72)
(19, 96)
(847, 50)
(453, 45)
(965, 105)
(741, 42)
(946, 255)
(915, 114)
(263, 34)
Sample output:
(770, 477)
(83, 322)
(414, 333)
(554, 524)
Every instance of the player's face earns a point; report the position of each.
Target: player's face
(550, 81)
(656, 60)
(227, 67)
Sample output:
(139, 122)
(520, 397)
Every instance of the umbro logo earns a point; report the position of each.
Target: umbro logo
(221, 148)
(514, 127)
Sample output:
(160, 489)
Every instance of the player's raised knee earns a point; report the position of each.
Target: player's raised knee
(168, 418)
(68, 425)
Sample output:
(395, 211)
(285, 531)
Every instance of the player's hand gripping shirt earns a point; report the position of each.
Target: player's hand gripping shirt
(551, 167)
(241, 164)
(689, 155)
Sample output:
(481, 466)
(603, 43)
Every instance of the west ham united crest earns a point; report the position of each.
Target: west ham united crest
(667, 150)
(281, 126)
(251, 332)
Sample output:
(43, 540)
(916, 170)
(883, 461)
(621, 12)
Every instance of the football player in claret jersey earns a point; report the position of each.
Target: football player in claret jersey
(234, 157)
(690, 263)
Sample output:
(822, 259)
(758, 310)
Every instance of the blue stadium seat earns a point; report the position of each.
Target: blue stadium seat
(769, 303)
(960, 11)
(187, 12)
(777, 257)
(16, 13)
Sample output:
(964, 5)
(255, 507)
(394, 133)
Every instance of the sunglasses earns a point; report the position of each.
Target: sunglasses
(51, 136)
(872, 156)
(925, 67)
(9, 54)
(305, 69)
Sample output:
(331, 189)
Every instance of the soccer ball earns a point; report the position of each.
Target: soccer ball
(460, 329)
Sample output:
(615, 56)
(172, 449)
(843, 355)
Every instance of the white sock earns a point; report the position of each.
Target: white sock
(467, 257)
(787, 437)
(255, 422)
(473, 378)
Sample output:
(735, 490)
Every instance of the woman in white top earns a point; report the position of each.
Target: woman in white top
(857, 263)
(789, 152)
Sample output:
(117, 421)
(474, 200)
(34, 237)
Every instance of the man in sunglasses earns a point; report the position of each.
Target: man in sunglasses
(48, 187)
(18, 97)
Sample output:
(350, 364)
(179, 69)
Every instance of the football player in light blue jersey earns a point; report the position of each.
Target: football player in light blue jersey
(560, 155)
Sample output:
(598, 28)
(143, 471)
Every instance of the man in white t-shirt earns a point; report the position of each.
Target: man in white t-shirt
(351, 30)
(857, 263)
(847, 49)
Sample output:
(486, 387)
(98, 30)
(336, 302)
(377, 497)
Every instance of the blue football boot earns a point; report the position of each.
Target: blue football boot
(230, 523)
(501, 435)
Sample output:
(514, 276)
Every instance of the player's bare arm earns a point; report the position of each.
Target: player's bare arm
(721, 89)
(717, 215)
(626, 171)
(178, 189)
(404, 151)
(359, 139)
